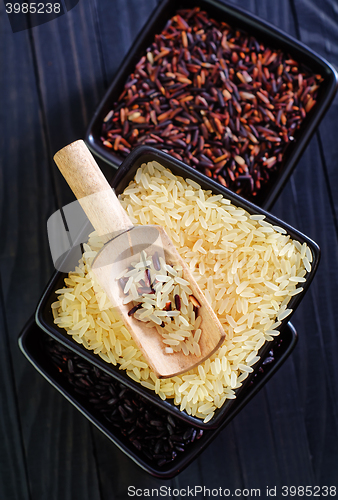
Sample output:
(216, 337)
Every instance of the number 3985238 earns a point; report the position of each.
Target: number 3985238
(33, 8)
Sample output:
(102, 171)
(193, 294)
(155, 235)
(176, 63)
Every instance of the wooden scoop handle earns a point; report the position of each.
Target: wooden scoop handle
(91, 188)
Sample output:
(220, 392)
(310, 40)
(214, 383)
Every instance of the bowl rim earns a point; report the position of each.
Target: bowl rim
(135, 158)
(265, 30)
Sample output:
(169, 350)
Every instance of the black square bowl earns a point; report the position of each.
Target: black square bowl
(124, 175)
(32, 342)
(264, 32)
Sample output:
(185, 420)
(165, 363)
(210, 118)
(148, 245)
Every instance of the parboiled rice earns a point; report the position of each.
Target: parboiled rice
(247, 268)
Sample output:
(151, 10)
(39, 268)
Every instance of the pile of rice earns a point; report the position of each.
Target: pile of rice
(247, 268)
(160, 296)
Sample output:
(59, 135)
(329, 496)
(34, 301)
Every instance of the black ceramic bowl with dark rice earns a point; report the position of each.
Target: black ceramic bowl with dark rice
(257, 174)
(124, 175)
(159, 443)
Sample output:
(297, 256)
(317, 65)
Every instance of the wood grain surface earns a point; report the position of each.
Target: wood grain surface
(51, 80)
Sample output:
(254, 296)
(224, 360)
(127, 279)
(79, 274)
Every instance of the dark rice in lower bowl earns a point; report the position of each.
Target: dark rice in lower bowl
(90, 391)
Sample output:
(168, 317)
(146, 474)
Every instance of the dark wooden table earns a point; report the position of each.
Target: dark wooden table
(52, 78)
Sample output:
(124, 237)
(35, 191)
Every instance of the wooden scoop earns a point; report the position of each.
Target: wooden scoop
(123, 244)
